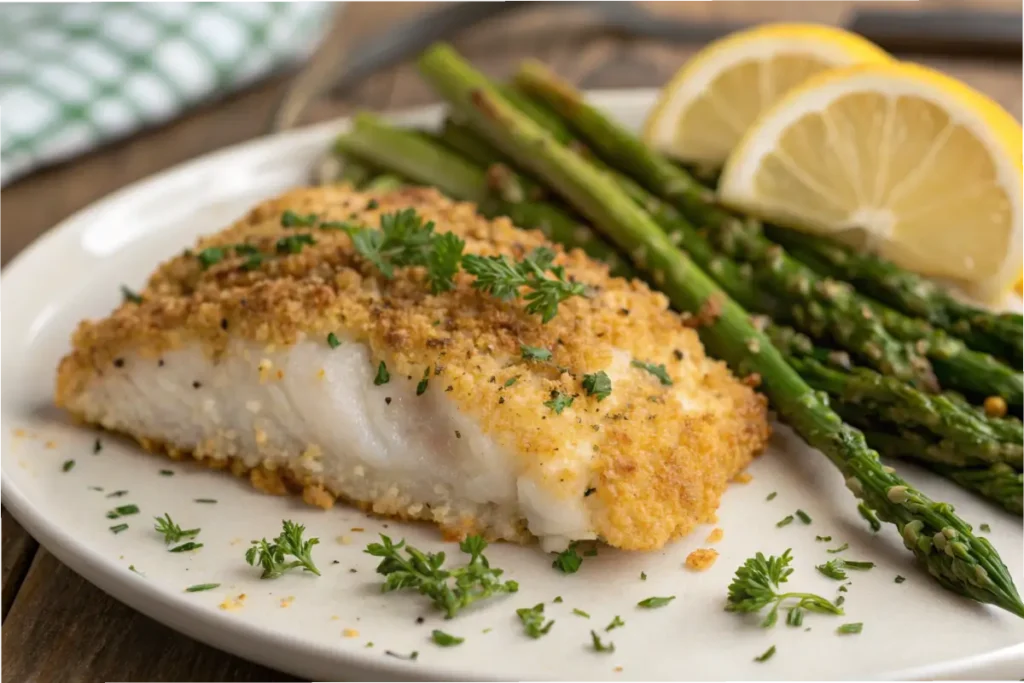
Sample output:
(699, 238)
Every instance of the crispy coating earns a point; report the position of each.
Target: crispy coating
(660, 456)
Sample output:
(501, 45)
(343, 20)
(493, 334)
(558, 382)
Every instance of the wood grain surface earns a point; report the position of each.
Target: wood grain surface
(56, 626)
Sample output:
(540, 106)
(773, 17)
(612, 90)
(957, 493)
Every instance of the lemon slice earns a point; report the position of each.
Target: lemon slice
(896, 158)
(712, 100)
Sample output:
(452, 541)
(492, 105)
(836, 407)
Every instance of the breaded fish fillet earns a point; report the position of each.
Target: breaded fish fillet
(233, 364)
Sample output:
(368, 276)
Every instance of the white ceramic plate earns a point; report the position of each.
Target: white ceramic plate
(297, 623)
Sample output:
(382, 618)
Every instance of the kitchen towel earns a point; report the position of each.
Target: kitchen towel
(75, 76)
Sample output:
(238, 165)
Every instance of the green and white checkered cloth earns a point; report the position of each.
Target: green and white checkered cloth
(74, 76)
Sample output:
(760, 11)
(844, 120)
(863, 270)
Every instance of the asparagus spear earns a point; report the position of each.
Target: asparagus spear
(497, 193)
(958, 367)
(1000, 334)
(942, 541)
(999, 483)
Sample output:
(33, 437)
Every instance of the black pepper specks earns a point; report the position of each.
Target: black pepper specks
(678, 354)
(458, 434)
(160, 363)
(224, 323)
(119, 362)
(387, 400)
(197, 384)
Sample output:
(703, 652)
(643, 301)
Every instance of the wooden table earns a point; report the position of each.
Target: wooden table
(57, 627)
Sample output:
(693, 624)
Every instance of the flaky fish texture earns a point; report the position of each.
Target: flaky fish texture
(233, 365)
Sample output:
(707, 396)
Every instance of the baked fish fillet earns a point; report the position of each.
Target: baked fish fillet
(233, 365)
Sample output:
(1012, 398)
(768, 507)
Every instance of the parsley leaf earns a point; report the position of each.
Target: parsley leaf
(598, 384)
(449, 589)
(756, 584)
(615, 623)
(856, 627)
(290, 219)
(559, 402)
(383, 376)
(271, 555)
(835, 569)
(533, 620)
(651, 603)
(443, 262)
(599, 646)
(534, 353)
(293, 244)
(171, 531)
(502, 277)
(210, 256)
(129, 295)
(568, 561)
(332, 340)
(658, 371)
(444, 639)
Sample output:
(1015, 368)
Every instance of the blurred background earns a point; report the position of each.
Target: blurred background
(96, 96)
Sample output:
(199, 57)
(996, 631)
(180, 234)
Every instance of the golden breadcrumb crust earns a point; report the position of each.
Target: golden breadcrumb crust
(656, 469)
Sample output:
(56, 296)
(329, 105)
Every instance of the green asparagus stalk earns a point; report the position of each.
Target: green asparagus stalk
(383, 183)
(1000, 334)
(999, 483)
(943, 542)
(961, 368)
(497, 192)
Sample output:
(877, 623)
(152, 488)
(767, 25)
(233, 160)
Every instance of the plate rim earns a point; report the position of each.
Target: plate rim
(242, 638)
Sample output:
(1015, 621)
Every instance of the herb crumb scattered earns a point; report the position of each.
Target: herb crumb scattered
(199, 587)
(67, 466)
(855, 627)
(580, 613)
(766, 655)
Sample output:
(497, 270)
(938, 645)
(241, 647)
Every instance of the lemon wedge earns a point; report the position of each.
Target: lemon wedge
(712, 100)
(895, 158)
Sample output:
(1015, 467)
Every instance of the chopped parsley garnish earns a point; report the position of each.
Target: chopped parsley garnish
(651, 603)
(869, 515)
(293, 244)
(771, 496)
(580, 613)
(984, 527)
(130, 296)
(271, 555)
(373, 204)
(795, 616)
(599, 646)
(185, 547)
(766, 656)
(558, 599)
(199, 587)
(445, 639)
(855, 627)
(510, 381)
(118, 528)
(171, 531)
(503, 278)
(568, 561)
(615, 623)
(117, 494)
(823, 539)
(123, 511)
(411, 657)
(658, 371)
(290, 219)
(643, 576)
(803, 516)
(205, 500)
(450, 590)
(785, 521)
(97, 447)
(900, 579)
(559, 402)
(67, 466)
(166, 473)
(421, 387)
(834, 569)
(533, 620)
(332, 340)
(534, 353)
(598, 384)
(756, 586)
(837, 550)
(210, 256)
(383, 376)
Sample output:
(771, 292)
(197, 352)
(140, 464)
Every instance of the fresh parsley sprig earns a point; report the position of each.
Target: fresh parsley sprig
(836, 569)
(271, 555)
(504, 278)
(450, 590)
(171, 531)
(756, 586)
